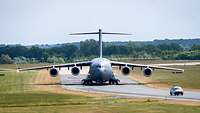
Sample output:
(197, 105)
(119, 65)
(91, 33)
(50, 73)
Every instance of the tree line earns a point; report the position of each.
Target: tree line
(90, 48)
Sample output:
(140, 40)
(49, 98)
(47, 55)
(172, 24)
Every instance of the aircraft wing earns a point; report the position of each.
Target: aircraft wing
(87, 63)
(114, 63)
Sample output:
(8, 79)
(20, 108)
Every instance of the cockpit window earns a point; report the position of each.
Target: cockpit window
(98, 66)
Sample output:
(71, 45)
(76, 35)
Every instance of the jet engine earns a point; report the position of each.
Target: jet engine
(75, 71)
(126, 70)
(147, 72)
(53, 72)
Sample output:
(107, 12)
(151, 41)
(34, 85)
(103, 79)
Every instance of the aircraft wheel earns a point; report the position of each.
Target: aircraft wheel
(116, 83)
(100, 82)
(90, 82)
(86, 83)
(111, 82)
(83, 81)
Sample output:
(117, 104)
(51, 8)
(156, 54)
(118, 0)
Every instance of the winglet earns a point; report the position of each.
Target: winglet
(177, 72)
(17, 70)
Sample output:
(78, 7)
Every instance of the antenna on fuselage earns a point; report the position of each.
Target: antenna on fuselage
(100, 37)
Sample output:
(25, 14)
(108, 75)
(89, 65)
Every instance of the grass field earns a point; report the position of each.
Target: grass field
(17, 95)
(190, 79)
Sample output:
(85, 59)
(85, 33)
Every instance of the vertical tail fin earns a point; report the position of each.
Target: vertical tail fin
(100, 37)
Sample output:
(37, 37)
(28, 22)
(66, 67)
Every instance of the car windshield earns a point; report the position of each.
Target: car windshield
(175, 88)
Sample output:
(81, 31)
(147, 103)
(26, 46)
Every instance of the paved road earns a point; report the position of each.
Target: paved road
(127, 87)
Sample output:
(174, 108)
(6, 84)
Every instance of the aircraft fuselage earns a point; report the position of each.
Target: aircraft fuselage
(100, 70)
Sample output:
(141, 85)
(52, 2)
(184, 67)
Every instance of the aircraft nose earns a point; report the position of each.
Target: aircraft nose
(101, 72)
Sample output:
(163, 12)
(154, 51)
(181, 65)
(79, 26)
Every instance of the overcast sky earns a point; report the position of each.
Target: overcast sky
(50, 21)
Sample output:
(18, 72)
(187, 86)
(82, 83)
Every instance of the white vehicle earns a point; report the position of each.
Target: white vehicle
(176, 90)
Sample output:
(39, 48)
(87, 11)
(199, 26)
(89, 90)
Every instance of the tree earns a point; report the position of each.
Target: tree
(170, 47)
(89, 47)
(195, 47)
(14, 50)
(5, 59)
(55, 60)
(20, 60)
(34, 52)
(131, 47)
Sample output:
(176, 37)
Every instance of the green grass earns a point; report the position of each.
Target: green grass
(189, 79)
(77, 105)
(17, 96)
(30, 99)
(13, 82)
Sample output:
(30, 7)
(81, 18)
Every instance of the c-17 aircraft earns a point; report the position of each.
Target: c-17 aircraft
(100, 69)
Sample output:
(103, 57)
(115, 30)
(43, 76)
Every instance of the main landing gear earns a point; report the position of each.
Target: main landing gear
(114, 81)
(86, 82)
(90, 82)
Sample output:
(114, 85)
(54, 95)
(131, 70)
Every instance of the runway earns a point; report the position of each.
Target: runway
(127, 88)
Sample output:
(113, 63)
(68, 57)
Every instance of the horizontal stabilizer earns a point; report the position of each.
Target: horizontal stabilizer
(100, 33)
(116, 33)
(84, 33)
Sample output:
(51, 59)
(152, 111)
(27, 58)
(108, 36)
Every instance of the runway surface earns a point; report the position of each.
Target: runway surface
(127, 88)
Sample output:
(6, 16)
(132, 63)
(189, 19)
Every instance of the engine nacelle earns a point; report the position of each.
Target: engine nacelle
(75, 71)
(53, 72)
(126, 70)
(147, 72)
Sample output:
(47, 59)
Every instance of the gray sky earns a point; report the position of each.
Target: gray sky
(50, 21)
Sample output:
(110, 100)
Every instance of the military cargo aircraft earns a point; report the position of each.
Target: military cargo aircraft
(100, 69)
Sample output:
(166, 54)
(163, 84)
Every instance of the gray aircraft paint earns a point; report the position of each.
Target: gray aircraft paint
(100, 69)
